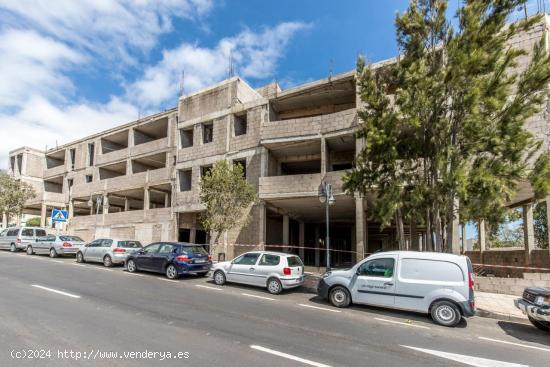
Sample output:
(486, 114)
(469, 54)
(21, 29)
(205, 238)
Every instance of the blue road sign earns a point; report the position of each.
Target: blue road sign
(59, 215)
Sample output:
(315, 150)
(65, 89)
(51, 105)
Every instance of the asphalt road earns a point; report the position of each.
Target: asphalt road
(110, 317)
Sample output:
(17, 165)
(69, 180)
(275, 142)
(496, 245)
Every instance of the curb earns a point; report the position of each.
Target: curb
(502, 316)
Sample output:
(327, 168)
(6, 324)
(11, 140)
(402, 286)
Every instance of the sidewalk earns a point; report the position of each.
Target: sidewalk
(491, 305)
(498, 306)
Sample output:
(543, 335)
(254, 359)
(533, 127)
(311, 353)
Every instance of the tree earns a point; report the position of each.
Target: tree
(33, 222)
(541, 225)
(13, 195)
(227, 195)
(444, 125)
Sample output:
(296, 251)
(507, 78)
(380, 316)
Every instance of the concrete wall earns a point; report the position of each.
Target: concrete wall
(512, 286)
(509, 257)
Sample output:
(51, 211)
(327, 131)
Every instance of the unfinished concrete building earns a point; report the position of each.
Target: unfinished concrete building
(141, 179)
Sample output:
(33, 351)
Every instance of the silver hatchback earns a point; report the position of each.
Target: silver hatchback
(274, 270)
(55, 245)
(108, 251)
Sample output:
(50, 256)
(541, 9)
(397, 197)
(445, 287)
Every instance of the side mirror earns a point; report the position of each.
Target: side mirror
(36, 240)
(358, 271)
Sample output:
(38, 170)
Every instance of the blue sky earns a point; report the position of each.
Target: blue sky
(71, 68)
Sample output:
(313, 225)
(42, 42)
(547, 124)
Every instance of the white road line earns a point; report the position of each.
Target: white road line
(133, 274)
(402, 323)
(260, 297)
(59, 261)
(79, 265)
(319, 308)
(516, 344)
(465, 359)
(288, 356)
(207, 287)
(56, 291)
(168, 280)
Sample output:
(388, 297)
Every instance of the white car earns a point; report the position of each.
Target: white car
(274, 270)
(55, 245)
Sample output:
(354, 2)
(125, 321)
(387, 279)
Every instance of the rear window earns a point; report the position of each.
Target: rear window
(294, 261)
(71, 238)
(27, 232)
(431, 270)
(40, 232)
(129, 244)
(195, 250)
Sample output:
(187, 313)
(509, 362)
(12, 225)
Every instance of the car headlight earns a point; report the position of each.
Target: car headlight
(542, 301)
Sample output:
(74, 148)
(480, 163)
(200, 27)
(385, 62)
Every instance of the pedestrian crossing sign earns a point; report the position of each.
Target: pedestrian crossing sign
(59, 216)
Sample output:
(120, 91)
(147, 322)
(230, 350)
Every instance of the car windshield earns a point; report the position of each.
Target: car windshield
(195, 250)
(294, 261)
(71, 238)
(129, 244)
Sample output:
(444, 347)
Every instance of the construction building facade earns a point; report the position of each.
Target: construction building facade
(141, 180)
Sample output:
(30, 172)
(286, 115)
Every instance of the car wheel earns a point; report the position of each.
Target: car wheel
(13, 248)
(107, 261)
(171, 272)
(541, 325)
(131, 266)
(53, 253)
(445, 313)
(219, 277)
(339, 297)
(29, 250)
(274, 286)
(79, 257)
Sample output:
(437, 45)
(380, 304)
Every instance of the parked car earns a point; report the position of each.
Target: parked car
(108, 251)
(439, 284)
(274, 270)
(171, 258)
(55, 245)
(18, 238)
(535, 303)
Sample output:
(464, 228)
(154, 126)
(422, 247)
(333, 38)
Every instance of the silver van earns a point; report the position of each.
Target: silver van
(108, 251)
(18, 238)
(434, 283)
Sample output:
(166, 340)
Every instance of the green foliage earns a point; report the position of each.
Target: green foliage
(13, 195)
(444, 125)
(541, 225)
(226, 195)
(540, 176)
(33, 222)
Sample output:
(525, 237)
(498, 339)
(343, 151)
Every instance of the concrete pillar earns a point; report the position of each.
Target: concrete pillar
(126, 204)
(324, 157)
(18, 220)
(105, 207)
(264, 162)
(262, 226)
(71, 209)
(131, 140)
(4, 220)
(481, 237)
(166, 200)
(286, 231)
(415, 238)
(43, 210)
(146, 199)
(192, 235)
(360, 229)
(528, 232)
(302, 239)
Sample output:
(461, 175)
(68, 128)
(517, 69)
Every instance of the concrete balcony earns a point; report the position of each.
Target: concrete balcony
(55, 171)
(309, 126)
(53, 197)
(126, 182)
(112, 157)
(298, 185)
(149, 147)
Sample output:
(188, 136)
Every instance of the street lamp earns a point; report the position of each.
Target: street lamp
(326, 197)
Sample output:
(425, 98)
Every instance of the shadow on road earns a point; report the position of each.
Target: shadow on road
(524, 332)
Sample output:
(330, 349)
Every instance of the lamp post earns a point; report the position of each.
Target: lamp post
(326, 197)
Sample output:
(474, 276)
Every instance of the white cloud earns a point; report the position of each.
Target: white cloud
(255, 55)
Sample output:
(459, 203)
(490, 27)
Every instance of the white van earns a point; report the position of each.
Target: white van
(435, 283)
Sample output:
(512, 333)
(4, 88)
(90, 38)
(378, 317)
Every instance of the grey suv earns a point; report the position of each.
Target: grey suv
(18, 238)
(108, 251)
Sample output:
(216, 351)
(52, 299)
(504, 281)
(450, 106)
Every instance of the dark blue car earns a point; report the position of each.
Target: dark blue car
(171, 258)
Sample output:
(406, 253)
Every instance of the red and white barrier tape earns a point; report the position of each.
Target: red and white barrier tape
(290, 246)
(511, 267)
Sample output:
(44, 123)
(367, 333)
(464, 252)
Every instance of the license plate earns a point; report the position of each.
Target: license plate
(200, 261)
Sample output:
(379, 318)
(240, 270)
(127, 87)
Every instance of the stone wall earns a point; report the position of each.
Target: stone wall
(512, 286)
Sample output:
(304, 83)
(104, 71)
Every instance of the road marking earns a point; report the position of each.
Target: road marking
(288, 356)
(56, 291)
(169, 280)
(105, 269)
(133, 274)
(517, 344)
(402, 323)
(260, 297)
(318, 308)
(79, 265)
(59, 261)
(469, 360)
(207, 287)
